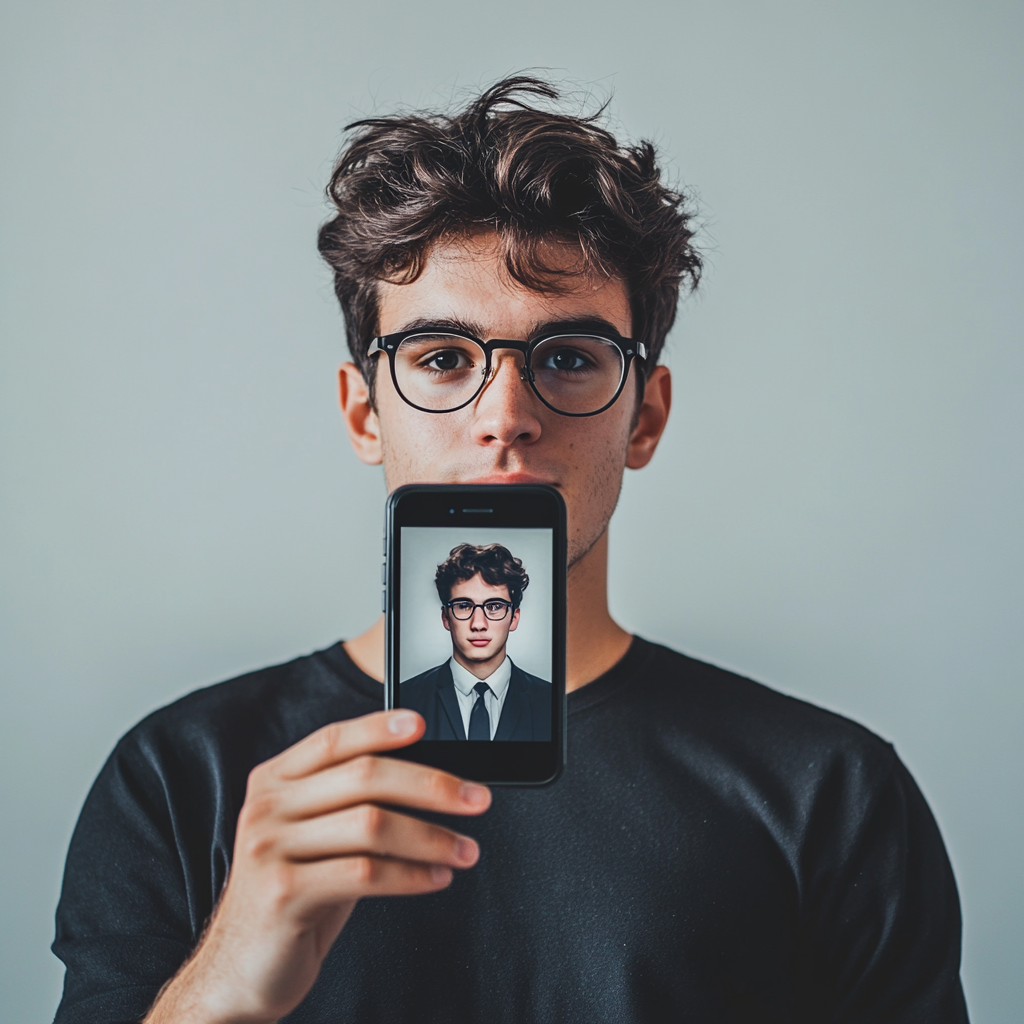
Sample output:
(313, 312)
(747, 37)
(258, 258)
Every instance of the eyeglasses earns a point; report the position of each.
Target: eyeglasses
(575, 374)
(495, 609)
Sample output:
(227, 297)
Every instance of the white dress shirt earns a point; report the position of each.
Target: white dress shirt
(494, 699)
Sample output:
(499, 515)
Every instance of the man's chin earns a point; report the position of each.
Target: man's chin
(479, 654)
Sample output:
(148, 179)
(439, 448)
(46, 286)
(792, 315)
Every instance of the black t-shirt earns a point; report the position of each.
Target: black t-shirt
(714, 852)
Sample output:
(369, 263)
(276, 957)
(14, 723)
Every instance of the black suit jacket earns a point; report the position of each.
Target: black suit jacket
(525, 715)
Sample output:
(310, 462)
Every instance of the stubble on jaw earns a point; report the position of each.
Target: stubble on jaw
(602, 495)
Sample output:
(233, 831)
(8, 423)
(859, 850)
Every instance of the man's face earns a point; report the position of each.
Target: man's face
(506, 435)
(479, 639)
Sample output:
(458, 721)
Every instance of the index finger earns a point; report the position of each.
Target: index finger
(341, 741)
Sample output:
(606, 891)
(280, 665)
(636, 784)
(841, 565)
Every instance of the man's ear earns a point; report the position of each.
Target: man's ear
(515, 620)
(360, 418)
(651, 418)
(444, 620)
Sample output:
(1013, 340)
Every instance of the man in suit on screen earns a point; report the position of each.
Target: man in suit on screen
(479, 693)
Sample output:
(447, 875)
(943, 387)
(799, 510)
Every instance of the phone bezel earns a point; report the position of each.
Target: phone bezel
(509, 762)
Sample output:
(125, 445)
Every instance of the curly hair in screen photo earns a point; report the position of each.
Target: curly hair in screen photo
(495, 564)
(528, 174)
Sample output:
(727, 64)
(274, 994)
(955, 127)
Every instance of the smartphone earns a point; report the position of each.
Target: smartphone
(474, 596)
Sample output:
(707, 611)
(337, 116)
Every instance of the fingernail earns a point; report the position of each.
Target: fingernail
(474, 794)
(465, 850)
(440, 875)
(402, 723)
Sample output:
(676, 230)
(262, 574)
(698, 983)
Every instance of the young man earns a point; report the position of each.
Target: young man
(479, 694)
(714, 851)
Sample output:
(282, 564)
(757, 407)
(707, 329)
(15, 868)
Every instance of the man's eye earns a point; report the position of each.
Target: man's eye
(445, 361)
(566, 360)
(494, 607)
(461, 606)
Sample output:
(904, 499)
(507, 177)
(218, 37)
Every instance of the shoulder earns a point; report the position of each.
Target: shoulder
(427, 681)
(669, 677)
(252, 717)
(727, 717)
(805, 773)
(533, 684)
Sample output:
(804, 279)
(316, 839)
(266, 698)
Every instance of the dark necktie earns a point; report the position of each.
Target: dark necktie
(479, 720)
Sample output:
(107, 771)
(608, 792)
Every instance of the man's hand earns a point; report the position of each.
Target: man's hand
(312, 839)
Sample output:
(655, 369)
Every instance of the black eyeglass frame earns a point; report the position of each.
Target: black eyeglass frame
(627, 347)
(493, 600)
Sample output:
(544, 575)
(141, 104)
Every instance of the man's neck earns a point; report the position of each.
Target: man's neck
(594, 642)
(481, 669)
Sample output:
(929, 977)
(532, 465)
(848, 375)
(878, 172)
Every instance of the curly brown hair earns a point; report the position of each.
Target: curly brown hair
(532, 176)
(495, 564)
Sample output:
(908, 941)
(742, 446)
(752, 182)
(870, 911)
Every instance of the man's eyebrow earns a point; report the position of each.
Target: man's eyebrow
(577, 324)
(442, 323)
(592, 324)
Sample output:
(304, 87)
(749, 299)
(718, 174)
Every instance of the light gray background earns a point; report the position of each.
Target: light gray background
(836, 508)
(425, 642)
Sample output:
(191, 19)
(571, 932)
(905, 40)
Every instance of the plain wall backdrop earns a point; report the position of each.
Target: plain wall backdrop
(425, 643)
(836, 507)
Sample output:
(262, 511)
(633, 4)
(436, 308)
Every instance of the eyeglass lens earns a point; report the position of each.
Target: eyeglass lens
(573, 373)
(494, 610)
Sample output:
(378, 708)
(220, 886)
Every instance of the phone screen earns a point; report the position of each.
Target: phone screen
(492, 633)
(476, 626)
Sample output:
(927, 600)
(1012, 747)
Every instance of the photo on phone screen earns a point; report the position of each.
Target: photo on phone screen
(476, 631)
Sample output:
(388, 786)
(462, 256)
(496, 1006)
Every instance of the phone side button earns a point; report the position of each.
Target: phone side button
(384, 600)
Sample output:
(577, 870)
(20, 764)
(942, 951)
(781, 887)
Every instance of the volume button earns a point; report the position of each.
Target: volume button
(383, 600)
(384, 573)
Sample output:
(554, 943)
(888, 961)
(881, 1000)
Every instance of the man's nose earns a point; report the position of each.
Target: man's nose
(479, 620)
(506, 409)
